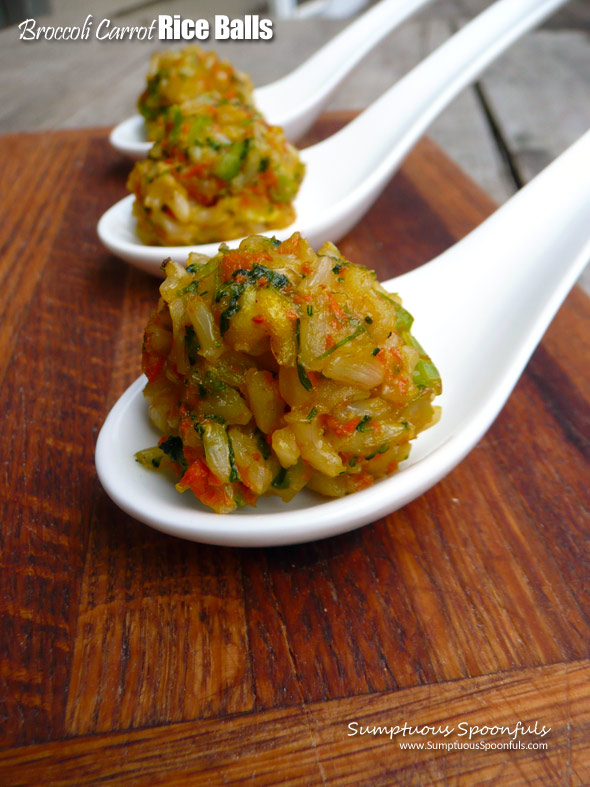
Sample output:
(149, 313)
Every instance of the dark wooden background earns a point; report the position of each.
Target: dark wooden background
(131, 656)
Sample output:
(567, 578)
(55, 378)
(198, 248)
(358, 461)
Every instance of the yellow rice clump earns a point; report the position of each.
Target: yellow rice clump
(271, 368)
(220, 173)
(176, 77)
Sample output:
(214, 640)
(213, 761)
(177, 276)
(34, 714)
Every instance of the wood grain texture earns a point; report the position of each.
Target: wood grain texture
(314, 744)
(133, 656)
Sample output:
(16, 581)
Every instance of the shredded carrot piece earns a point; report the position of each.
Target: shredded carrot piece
(290, 246)
(341, 429)
(233, 261)
(336, 308)
(240, 260)
(152, 366)
(362, 480)
(249, 496)
(192, 454)
(197, 170)
(206, 486)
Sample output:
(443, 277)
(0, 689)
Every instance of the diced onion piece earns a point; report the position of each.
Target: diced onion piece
(254, 471)
(160, 340)
(285, 446)
(332, 487)
(230, 405)
(265, 400)
(316, 450)
(180, 206)
(163, 397)
(178, 352)
(296, 478)
(411, 357)
(312, 336)
(367, 441)
(291, 389)
(321, 276)
(205, 328)
(274, 310)
(150, 457)
(216, 447)
(364, 372)
(245, 334)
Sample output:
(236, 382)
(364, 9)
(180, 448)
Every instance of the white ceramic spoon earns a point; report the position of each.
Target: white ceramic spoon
(295, 100)
(347, 171)
(480, 309)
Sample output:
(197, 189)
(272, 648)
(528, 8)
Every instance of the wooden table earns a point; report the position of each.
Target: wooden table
(134, 657)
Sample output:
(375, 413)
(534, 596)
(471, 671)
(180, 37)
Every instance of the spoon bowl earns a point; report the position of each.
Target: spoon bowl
(480, 308)
(294, 101)
(346, 172)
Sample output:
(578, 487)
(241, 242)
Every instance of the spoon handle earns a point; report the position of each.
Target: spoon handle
(498, 289)
(309, 87)
(383, 134)
(524, 259)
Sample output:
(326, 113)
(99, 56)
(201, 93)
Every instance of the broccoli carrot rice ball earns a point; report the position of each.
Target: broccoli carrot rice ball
(272, 368)
(176, 77)
(219, 173)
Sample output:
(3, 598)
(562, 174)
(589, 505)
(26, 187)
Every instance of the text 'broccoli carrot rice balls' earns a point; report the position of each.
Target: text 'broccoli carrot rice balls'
(272, 368)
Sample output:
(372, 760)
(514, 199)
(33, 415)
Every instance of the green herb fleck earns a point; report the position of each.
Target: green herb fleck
(281, 480)
(234, 290)
(214, 384)
(176, 122)
(278, 280)
(362, 425)
(200, 271)
(263, 446)
(172, 447)
(192, 344)
(381, 450)
(233, 475)
(359, 330)
(219, 419)
(231, 161)
(303, 378)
